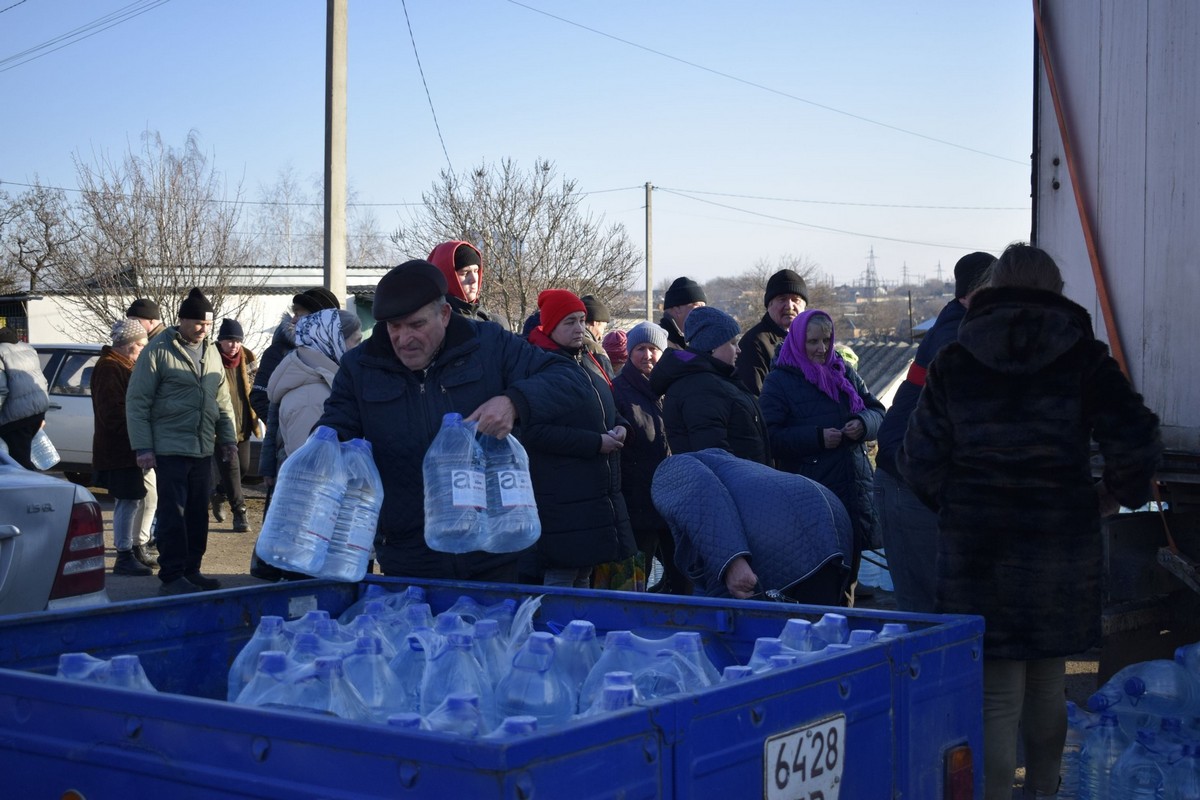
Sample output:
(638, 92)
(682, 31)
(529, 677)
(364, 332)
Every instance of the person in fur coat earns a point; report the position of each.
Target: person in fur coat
(1000, 446)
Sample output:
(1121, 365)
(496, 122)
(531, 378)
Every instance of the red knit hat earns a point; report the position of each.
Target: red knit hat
(554, 305)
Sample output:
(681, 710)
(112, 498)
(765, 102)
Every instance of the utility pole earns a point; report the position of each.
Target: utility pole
(649, 256)
(335, 147)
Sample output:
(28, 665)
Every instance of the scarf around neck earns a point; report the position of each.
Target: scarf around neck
(829, 377)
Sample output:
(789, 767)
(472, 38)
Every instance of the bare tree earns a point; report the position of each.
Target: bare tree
(532, 232)
(741, 296)
(154, 224)
(40, 236)
(9, 274)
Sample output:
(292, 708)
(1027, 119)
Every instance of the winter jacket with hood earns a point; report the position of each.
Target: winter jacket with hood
(299, 386)
(110, 431)
(171, 408)
(442, 257)
(705, 405)
(1000, 446)
(283, 341)
(399, 411)
(797, 413)
(23, 390)
(645, 445)
(578, 489)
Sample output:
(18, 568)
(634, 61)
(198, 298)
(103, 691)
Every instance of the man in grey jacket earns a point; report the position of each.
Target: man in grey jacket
(177, 406)
(23, 396)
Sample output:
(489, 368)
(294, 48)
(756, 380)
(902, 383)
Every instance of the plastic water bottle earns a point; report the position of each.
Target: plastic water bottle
(515, 727)
(831, 628)
(368, 625)
(81, 667)
(455, 489)
(512, 518)
(42, 452)
(1078, 722)
(466, 607)
(409, 667)
(736, 672)
(612, 699)
(308, 494)
(1189, 656)
(358, 516)
(368, 672)
(1164, 688)
(126, 672)
(490, 649)
(577, 651)
(268, 686)
(306, 623)
(620, 654)
(533, 687)
(690, 645)
(267, 636)
(1182, 779)
(459, 714)
(668, 673)
(371, 593)
(764, 648)
(1103, 745)
(893, 630)
(334, 640)
(860, 637)
(797, 634)
(322, 688)
(455, 669)
(1137, 775)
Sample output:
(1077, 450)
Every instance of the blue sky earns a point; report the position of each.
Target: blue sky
(820, 130)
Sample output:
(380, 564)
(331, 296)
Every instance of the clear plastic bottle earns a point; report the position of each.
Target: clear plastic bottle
(368, 672)
(306, 623)
(862, 636)
(512, 518)
(455, 489)
(42, 452)
(515, 727)
(334, 640)
(367, 624)
(797, 634)
(371, 593)
(620, 680)
(267, 636)
(893, 630)
(81, 667)
(490, 649)
(1078, 722)
(455, 669)
(1182, 779)
(358, 516)
(736, 672)
(533, 687)
(690, 645)
(126, 672)
(1137, 774)
(620, 654)
(459, 714)
(1163, 688)
(322, 688)
(612, 699)
(832, 628)
(764, 648)
(1103, 745)
(409, 667)
(303, 511)
(577, 651)
(269, 684)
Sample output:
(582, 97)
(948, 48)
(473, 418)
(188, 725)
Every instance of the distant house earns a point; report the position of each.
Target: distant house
(883, 365)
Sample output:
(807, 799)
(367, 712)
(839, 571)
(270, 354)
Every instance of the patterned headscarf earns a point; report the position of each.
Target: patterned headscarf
(322, 332)
(829, 377)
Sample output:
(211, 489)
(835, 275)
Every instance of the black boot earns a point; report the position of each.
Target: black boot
(217, 508)
(126, 564)
(144, 556)
(240, 525)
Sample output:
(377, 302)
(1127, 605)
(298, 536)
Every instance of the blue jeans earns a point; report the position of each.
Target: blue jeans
(910, 533)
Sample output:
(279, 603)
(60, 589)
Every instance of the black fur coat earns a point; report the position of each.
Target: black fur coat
(1000, 446)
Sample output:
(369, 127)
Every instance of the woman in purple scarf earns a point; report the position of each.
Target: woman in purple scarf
(819, 417)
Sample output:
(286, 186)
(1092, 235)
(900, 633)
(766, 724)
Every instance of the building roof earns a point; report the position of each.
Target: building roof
(882, 365)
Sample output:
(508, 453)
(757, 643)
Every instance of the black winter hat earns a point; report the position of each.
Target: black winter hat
(406, 288)
(196, 306)
(682, 292)
(143, 308)
(466, 256)
(597, 311)
(9, 336)
(230, 329)
(785, 282)
(969, 270)
(316, 299)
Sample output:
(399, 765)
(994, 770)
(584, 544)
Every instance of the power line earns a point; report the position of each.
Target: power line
(765, 88)
(428, 96)
(10, 8)
(847, 202)
(86, 31)
(813, 226)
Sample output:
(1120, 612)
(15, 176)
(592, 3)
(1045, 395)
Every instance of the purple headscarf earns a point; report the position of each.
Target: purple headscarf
(829, 377)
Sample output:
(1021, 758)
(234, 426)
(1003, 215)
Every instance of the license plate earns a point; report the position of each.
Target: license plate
(805, 763)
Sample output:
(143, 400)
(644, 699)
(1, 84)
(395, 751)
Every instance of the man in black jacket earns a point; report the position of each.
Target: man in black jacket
(422, 362)
(786, 296)
(683, 295)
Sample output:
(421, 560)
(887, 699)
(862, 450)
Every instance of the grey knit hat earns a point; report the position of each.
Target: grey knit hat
(646, 333)
(125, 331)
(708, 328)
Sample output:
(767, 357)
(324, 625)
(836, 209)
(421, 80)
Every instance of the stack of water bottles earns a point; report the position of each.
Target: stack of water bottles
(478, 492)
(325, 509)
(123, 671)
(476, 670)
(1142, 737)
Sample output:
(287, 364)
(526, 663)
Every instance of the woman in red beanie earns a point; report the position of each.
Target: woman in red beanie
(574, 465)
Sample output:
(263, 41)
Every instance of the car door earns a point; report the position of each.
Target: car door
(69, 420)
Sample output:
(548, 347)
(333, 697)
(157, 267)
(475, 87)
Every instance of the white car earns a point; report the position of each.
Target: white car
(51, 542)
(69, 420)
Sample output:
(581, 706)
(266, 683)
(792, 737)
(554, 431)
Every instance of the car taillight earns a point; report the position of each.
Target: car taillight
(81, 565)
(960, 774)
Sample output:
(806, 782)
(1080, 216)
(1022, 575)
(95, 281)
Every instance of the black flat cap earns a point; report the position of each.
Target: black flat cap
(407, 288)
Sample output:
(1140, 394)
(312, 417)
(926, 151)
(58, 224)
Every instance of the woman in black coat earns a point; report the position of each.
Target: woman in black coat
(645, 448)
(820, 415)
(1000, 446)
(575, 464)
(704, 404)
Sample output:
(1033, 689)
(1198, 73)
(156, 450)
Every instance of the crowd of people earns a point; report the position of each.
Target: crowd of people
(736, 460)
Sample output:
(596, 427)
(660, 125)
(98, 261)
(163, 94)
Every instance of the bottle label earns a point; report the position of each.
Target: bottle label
(469, 488)
(516, 489)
